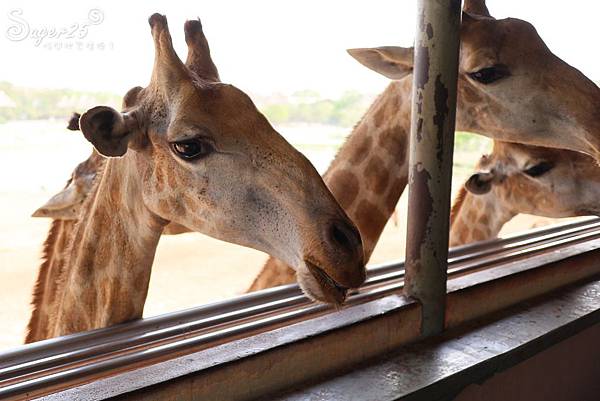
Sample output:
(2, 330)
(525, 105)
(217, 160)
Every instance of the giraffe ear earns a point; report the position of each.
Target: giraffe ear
(391, 61)
(469, 21)
(73, 124)
(108, 130)
(479, 183)
(132, 97)
(476, 7)
(62, 206)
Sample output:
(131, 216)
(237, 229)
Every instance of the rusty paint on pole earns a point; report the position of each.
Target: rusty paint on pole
(431, 149)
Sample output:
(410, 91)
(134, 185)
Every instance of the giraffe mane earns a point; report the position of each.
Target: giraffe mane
(352, 132)
(38, 288)
(458, 203)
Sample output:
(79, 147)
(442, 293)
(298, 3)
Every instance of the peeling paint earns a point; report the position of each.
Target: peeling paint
(419, 186)
(429, 31)
(421, 67)
(420, 130)
(432, 138)
(420, 103)
(441, 112)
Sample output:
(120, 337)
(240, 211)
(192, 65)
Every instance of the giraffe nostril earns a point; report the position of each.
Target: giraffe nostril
(339, 237)
(344, 235)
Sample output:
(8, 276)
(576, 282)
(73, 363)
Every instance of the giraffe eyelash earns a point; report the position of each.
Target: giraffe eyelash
(539, 169)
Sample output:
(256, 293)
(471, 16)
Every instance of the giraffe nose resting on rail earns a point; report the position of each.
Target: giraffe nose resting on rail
(224, 181)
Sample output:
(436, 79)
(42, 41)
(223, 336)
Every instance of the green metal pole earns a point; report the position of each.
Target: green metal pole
(431, 149)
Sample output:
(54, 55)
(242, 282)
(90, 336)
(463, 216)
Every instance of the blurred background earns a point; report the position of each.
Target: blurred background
(59, 57)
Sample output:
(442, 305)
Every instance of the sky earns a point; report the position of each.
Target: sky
(261, 46)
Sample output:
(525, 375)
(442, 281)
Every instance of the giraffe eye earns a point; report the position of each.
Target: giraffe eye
(491, 74)
(192, 149)
(539, 169)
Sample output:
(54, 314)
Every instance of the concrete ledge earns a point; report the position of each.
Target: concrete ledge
(440, 368)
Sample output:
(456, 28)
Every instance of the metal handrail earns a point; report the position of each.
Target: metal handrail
(264, 298)
(57, 360)
(87, 343)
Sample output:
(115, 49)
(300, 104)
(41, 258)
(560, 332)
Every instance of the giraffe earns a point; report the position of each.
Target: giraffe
(493, 77)
(511, 87)
(190, 150)
(65, 205)
(63, 208)
(517, 178)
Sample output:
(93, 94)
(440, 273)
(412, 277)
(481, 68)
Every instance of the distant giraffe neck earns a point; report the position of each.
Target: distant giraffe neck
(477, 217)
(368, 174)
(44, 293)
(370, 171)
(110, 255)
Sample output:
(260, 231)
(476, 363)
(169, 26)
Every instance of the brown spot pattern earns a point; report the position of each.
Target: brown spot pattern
(344, 186)
(370, 222)
(171, 179)
(395, 191)
(362, 149)
(394, 141)
(163, 206)
(160, 180)
(380, 115)
(478, 235)
(376, 176)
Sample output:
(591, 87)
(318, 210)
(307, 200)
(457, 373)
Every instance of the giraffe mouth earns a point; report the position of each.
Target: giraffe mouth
(588, 212)
(333, 292)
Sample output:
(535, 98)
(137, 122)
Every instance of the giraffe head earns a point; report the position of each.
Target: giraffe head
(511, 87)
(207, 159)
(66, 204)
(540, 181)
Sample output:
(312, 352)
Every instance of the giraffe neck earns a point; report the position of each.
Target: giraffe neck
(477, 217)
(110, 254)
(370, 171)
(44, 292)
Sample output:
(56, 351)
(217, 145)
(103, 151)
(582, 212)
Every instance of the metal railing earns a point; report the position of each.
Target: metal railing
(70, 359)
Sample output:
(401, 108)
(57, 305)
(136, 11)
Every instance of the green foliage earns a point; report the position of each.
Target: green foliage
(468, 142)
(468, 148)
(37, 104)
(277, 113)
(305, 106)
(309, 107)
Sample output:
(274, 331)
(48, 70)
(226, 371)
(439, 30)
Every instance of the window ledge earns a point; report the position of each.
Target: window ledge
(440, 368)
(399, 306)
(275, 360)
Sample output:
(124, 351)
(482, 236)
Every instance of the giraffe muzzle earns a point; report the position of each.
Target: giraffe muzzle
(332, 291)
(346, 249)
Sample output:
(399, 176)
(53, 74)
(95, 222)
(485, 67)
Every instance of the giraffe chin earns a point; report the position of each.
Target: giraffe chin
(318, 286)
